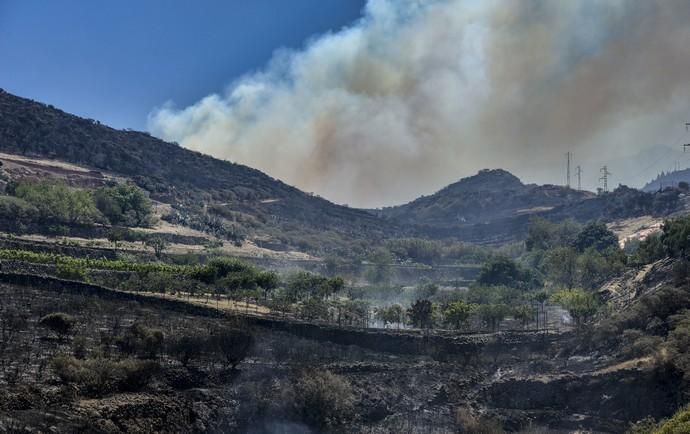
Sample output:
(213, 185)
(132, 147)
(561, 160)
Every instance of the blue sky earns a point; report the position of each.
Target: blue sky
(115, 61)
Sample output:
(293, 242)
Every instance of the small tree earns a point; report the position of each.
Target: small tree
(232, 345)
(390, 315)
(421, 314)
(457, 314)
(580, 304)
(595, 235)
(523, 313)
(158, 244)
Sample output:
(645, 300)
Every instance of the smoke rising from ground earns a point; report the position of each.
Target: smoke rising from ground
(420, 93)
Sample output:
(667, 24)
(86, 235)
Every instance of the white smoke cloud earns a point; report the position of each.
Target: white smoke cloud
(420, 93)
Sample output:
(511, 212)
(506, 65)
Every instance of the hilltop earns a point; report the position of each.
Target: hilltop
(487, 196)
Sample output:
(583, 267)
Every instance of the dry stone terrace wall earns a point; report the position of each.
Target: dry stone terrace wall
(397, 342)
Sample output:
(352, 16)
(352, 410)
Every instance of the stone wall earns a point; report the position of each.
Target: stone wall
(392, 341)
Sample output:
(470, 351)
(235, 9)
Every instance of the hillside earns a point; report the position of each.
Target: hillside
(487, 196)
(238, 203)
(667, 179)
(192, 182)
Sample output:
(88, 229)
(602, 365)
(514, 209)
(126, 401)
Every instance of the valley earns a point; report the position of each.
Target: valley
(148, 288)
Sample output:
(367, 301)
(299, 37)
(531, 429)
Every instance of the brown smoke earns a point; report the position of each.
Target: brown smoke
(420, 93)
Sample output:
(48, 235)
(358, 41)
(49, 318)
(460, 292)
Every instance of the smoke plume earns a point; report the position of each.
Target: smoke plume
(417, 94)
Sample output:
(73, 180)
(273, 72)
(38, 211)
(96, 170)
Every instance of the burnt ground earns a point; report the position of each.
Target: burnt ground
(508, 387)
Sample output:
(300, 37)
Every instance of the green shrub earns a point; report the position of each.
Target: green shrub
(56, 201)
(580, 304)
(124, 204)
(98, 377)
(71, 271)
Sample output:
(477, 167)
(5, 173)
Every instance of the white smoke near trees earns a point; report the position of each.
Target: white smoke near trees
(420, 93)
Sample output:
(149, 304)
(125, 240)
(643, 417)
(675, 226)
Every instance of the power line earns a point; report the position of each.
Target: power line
(567, 184)
(605, 177)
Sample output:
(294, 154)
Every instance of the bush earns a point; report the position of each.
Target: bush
(16, 209)
(323, 398)
(141, 340)
(57, 202)
(597, 236)
(71, 271)
(302, 284)
(59, 323)
(421, 314)
(676, 237)
(98, 377)
(504, 271)
(231, 344)
(678, 424)
(124, 204)
(457, 314)
(580, 304)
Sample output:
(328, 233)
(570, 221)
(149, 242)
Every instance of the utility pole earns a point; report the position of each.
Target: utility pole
(605, 177)
(579, 177)
(568, 170)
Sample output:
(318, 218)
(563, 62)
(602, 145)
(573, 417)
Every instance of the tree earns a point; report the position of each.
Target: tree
(676, 237)
(421, 314)
(504, 271)
(302, 284)
(124, 204)
(59, 323)
(390, 315)
(458, 313)
(231, 344)
(595, 235)
(314, 309)
(580, 304)
(650, 249)
(523, 313)
(268, 281)
(158, 244)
